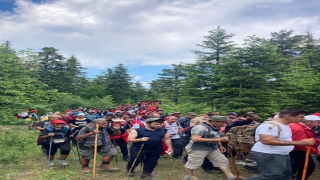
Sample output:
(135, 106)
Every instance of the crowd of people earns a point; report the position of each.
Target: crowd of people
(149, 133)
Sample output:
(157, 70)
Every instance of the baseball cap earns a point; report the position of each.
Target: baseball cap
(192, 113)
(232, 114)
(154, 119)
(216, 118)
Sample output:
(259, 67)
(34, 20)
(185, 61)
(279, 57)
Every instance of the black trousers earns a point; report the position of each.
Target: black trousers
(123, 146)
(64, 147)
(148, 156)
(177, 147)
(297, 163)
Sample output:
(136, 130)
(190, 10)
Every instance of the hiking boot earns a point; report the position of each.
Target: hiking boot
(50, 163)
(212, 171)
(240, 162)
(108, 168)
(85, 169)
(63, 163)
(253, 164)
(125, 158)
(186, 177)
(131, 172)
(147, 177)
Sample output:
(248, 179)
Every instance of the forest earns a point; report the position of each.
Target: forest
(264, 75)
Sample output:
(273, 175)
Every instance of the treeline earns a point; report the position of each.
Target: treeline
(263, 75)
(48, 81)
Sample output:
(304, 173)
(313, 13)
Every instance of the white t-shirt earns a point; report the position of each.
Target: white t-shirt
(285, 135)
(173, 129)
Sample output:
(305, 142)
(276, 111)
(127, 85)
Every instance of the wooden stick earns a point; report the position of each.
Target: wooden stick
(95, 153)
(233, 162)
(306, 162)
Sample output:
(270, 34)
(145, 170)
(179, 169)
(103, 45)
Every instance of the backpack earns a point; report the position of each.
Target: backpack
(242, 138)
(186, 135)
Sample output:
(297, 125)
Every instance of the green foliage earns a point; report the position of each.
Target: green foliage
(13, 146)
(73, 101)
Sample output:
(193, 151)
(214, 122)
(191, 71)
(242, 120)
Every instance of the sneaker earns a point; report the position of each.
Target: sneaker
(240, 162)
(147, 177)
(186, 177)
(50, 163)
(253, 164)
(63, 163)
(131, 172)
(108, 168)
(249, 160)
(125, 158)
(85, 169)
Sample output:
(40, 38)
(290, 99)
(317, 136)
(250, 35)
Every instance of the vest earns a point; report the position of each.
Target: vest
(155, 138)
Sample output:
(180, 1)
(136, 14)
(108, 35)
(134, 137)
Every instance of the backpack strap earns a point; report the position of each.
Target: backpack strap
(273, 124)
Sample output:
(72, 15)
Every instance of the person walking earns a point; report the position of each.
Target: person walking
(86, 138)
(56, 137)
(206, 143)
(300, 131)
(174, 129)
(150, 136)
(272, 147)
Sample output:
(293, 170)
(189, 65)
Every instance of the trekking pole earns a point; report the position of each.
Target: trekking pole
(306, 162)
(95, 153)
(233, 162)
(50, 146)
(135, 159)
(114, 143)
(77, 146)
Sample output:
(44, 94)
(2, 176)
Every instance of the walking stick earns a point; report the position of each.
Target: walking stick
(78, 152)
(135, 159)
(95, 152)
(50, 146)
(233, 162)
(306, 162)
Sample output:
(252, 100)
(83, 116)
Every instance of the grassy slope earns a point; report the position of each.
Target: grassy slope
(31, 164)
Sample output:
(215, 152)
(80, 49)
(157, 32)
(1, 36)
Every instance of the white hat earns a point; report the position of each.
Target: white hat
(118, 120)
(312, 118)
(81, 114)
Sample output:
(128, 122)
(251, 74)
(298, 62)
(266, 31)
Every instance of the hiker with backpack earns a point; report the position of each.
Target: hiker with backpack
(105, 148)
(246, 119)
(54, 137)
(207, 166)
(304, 130)
(273, 145)
(206, 142)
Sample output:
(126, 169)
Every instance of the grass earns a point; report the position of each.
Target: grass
(28, 163)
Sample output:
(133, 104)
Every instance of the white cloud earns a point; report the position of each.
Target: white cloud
(136, 78)
(103, 33)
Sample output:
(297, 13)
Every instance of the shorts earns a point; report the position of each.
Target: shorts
(196, 157)
(87, 153)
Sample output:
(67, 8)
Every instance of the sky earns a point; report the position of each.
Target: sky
(145, 35)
